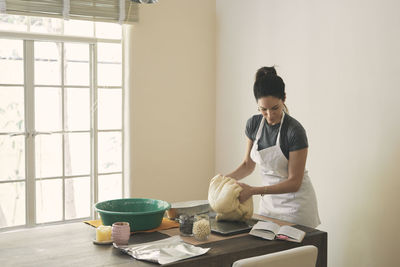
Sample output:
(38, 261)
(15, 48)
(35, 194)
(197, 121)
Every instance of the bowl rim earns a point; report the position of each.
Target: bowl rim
(168, 206)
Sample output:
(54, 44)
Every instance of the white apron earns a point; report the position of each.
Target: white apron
(298, 207)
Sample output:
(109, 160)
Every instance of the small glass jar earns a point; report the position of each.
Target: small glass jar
(201, 227)
(185, 225)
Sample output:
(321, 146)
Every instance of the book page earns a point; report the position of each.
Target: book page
(263, 234)
(291, 232)
(265, 229)
(267, 225)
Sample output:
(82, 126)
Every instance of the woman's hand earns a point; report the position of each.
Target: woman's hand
(246, 193)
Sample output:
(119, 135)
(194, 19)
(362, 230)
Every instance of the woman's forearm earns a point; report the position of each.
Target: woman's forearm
(247, 166)
(287, 186)
(297, 162)
(244, 169)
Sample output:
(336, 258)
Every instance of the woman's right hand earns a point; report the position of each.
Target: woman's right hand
(246, 193)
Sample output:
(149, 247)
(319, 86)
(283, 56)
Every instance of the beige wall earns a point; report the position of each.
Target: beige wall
(172, 100)
(341, 65)
(340, 62)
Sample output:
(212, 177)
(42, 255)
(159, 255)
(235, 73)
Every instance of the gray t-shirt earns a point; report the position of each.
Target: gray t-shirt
(293, 135)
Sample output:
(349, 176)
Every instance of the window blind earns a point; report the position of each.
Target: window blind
(122, 11)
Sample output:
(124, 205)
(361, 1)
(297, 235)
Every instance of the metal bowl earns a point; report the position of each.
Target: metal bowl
(189, 208)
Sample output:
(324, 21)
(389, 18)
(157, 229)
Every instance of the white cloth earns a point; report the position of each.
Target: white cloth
(298, 207)
(223, 197)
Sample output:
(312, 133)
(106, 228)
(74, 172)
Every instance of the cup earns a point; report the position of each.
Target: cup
(121, 232)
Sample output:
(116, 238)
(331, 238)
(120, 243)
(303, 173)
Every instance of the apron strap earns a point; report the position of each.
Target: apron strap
(280, 126)
(259, 131)
(260, 128)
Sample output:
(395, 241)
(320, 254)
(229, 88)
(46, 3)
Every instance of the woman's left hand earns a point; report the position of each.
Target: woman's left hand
(246, 193)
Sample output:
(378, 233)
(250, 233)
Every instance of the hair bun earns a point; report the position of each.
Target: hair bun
(265, 72)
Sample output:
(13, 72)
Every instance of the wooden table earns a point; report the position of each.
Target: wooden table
(71, 245)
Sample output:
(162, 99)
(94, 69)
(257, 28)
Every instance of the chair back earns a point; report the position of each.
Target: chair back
(305, 256)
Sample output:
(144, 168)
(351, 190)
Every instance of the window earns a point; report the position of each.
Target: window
(61, 114)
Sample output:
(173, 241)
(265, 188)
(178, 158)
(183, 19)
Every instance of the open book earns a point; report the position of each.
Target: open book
(270, 230)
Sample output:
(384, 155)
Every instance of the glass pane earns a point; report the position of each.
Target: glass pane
(110, 152)
(76, 68)
(77, 153)
(47, 63)
(110, 109)
(49, 201)
(109, 70)
(110, 187)
(48, 153)
(109, 74)
(12, 157)
(48, 109)
(77, 112)
(12, 204)
(12, 109)
(77, 198)
(108, 30)
(46, 25)
(109, 52)
(78, 28)
(11, 62)
(13, 22)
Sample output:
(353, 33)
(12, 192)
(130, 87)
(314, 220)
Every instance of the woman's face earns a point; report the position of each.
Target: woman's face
(271, 108)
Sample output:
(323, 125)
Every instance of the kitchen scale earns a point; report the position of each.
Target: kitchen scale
(230, 227)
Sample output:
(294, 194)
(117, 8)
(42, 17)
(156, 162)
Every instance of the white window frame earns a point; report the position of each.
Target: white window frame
(30, 199)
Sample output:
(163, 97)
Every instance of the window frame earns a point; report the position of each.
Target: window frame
(30, 180)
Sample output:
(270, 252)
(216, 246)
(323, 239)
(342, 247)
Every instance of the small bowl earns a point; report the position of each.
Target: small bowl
(141, 213)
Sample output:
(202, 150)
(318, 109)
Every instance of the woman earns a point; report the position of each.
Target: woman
(278, 143)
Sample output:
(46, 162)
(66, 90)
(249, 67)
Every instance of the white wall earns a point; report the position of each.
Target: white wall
(341, 63)
(172, 98)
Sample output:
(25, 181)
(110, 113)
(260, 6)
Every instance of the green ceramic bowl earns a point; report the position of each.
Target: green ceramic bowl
(141, 213)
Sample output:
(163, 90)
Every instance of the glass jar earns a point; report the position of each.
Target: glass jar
(185, 225)
(201, 227)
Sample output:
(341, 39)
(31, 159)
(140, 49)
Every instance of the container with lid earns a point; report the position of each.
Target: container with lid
(201, 227)
(190, 208)
(186, 224)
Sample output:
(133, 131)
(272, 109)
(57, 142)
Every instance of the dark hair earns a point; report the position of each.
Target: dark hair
(268, 83)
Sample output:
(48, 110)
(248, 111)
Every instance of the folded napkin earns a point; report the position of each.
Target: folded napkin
(165, 224)
(223, 196)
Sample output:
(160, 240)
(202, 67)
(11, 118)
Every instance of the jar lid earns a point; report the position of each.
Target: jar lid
(183, 216)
